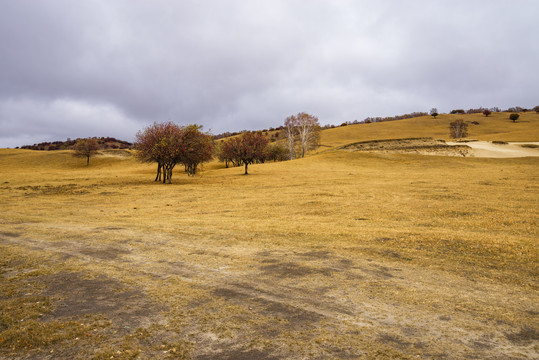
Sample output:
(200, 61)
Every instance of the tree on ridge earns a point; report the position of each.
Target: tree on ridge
(86, 148)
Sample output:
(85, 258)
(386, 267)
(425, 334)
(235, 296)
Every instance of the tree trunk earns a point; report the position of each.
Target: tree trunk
(165, 174)
(292, 148)
(88, 160)
(246, 173)
(158, 176)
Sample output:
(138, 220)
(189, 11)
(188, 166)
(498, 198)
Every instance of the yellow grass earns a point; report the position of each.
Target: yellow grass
(338, 255)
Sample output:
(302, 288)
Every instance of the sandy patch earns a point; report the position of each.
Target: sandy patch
(492, 150)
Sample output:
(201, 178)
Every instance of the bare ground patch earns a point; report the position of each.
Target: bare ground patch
(268, 304)
(74, 295)
(53, 313)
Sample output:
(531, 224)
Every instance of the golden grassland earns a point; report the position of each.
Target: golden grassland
(338, 255)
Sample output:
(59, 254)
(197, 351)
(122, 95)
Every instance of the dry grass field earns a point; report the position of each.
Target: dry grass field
(341, 255)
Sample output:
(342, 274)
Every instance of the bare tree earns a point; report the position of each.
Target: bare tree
(86, 148)
(308, 131)
(304, 129)
(433, 112)
(458, 129)
(291, 133)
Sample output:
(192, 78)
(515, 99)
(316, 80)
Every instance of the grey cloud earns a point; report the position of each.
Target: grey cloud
(232, 65)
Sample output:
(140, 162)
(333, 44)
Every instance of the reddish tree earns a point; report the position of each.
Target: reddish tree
(247, 148)
(197, 148)
(222, 153)
(487, 112)
(161, 143)
(225, 152)
(86, 148)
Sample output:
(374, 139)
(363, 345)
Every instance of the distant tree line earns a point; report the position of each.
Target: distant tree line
(514, 109)
(103, 143)
(393, 118)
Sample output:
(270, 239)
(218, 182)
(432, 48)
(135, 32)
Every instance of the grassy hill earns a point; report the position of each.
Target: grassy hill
(337, 255)
(495, 127)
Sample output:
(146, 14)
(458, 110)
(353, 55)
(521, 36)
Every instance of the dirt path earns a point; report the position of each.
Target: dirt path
(271, 303)
(488, 149)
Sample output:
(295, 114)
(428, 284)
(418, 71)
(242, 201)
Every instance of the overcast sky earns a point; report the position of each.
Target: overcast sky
(111, 67)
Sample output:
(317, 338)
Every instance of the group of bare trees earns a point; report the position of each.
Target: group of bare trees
(168, 144)
(302, 133)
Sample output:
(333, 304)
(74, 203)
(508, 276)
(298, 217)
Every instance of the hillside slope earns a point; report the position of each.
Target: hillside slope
(495, 127)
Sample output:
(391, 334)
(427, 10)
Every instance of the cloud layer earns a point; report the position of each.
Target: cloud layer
(109, 68)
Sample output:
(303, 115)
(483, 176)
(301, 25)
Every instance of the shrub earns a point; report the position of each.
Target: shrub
(514, 117)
